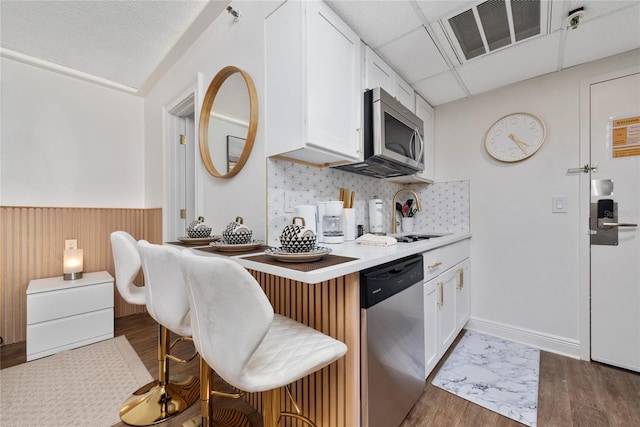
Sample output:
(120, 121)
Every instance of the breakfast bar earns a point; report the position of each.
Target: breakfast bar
(325, 295)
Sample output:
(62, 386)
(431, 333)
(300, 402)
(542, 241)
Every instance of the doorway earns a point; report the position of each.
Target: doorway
(610, 214)
(180, 205)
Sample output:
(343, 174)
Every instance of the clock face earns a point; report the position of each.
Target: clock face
(515, 137)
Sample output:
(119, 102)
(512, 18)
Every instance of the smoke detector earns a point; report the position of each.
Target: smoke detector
(573, 20)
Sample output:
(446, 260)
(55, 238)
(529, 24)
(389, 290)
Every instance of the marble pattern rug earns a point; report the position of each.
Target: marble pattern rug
(494, 373)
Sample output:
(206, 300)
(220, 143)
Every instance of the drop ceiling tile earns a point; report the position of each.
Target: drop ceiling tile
(515, 63)
(440, 89)
(434, 10)
(414, 56)
(595, 39)
(377, 22)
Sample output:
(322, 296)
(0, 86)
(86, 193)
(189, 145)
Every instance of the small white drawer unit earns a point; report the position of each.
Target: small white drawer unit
(65, 314)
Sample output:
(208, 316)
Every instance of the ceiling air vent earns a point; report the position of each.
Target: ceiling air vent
(495, 24)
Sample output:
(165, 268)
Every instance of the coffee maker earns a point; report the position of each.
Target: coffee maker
(330, 228)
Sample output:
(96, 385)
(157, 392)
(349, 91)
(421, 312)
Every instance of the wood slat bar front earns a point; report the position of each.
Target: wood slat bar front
(331, 396)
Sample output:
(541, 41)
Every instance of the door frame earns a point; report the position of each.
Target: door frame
(584, 289)
(173, 113)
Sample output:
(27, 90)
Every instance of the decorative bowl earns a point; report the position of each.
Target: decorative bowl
(198, 230)
(237, 238)
(296, 244)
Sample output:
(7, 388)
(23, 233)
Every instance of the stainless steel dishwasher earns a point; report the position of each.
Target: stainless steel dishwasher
(392, 340)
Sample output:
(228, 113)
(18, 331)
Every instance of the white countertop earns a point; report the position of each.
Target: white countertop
(367, 256)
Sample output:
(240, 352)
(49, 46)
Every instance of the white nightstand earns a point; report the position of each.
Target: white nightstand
(65, 314)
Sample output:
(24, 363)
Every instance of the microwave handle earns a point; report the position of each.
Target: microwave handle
(418, 138)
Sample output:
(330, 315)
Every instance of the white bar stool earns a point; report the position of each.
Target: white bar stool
(165, 397)
(167, 303)
(237, 334)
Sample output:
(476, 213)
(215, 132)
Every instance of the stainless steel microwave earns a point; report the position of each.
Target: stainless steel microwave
(393, 143)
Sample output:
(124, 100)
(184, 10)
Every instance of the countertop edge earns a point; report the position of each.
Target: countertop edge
(367, 256)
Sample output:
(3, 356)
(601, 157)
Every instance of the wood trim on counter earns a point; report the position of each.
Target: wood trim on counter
(330, 397)
(32, 244)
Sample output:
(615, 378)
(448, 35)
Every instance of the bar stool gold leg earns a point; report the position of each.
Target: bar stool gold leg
(271, 401)
(163, 398)
(210, 416)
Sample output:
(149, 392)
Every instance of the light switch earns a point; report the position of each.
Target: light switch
(559, 204)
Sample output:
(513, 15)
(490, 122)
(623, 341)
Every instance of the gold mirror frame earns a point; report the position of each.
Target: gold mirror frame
(205, 115)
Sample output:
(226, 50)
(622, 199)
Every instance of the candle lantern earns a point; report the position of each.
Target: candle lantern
(72, 264)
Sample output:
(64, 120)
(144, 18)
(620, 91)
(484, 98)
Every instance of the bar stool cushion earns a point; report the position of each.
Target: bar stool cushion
(127, 264)
(237, 333)
(166, 298)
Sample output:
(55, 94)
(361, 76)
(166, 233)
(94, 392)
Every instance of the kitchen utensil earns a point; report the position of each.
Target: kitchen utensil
(399, 208)
(409, 203)
(405, 210)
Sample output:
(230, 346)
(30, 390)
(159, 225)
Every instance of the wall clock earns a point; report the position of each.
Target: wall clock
(515, 137)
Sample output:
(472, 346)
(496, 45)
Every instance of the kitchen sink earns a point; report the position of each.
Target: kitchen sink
(409, 238)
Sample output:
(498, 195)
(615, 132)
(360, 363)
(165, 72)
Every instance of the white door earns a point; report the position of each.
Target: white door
(615, 188)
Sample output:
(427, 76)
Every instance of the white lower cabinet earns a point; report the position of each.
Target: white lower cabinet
(66, 314)
(446, 299)
(462, 294)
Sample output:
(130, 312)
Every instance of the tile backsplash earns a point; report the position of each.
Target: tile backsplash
(445, 205)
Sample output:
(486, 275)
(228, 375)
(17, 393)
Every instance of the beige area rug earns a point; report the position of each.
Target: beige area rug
(80, 387)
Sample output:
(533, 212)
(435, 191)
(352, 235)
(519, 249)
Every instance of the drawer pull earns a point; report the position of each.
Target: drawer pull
(434, 265)
(460, 279)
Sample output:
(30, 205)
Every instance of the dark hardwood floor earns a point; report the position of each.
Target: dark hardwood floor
(572, 393)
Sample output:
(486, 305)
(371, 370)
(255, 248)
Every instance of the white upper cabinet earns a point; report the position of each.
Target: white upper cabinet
(378, 73)
(313, 105)
(405, 94)
(427, 114)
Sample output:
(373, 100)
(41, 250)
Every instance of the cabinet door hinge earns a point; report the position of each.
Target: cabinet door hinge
(183, 139)
(183, 214)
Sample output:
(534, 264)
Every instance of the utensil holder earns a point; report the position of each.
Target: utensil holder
(349, 223)
(407, 224)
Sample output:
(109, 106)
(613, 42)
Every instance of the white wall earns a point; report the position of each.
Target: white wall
(223, 43)
(524, 258)
(67, 142)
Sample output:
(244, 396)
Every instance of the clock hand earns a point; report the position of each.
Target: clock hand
(518, 140)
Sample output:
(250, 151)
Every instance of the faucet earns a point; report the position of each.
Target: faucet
(394, 224)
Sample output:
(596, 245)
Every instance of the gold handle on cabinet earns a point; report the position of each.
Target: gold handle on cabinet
(460, 279)
(434, 265)
(441, 302)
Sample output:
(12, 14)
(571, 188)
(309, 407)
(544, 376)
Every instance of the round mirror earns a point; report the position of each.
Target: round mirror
(228, 122)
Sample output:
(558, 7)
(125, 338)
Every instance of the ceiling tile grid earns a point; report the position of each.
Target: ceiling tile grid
(515, 63)
(440, 89)
(415, 55)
